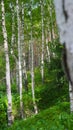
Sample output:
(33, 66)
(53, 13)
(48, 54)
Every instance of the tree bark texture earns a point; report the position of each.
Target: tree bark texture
(42, 57)
(64, 15)
(47, 48)
(19, 61)
(24, 72)
(32, 70)
(8, 83)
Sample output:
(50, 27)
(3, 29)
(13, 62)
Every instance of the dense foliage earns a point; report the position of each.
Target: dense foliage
(51, 95)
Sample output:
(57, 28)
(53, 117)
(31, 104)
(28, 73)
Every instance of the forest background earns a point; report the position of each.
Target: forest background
(34, 91)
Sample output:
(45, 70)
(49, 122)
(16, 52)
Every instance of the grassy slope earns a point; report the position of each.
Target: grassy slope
(53, 103)
(53, 108)
(54, 118)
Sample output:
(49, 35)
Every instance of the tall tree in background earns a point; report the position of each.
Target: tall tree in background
(47, 47)
(19, 59)
(42, 57)
(32, 68)
(8, 83)
(13, 39)
(12, 7)
(24, 72)
(51, 20)
(13, 26)
(64, 14)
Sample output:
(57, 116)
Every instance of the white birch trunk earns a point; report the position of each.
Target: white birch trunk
(19, 61)
(12, 45)
(8, 83)
(23, 52)
(51, 19)
(25, 74)
(32, 77)
(32, 72)
(42, 57)
(64, 15)
(17, 75)
(13, 28)
(29, 57)
(13, 36)
(47, 48)
(39, 56)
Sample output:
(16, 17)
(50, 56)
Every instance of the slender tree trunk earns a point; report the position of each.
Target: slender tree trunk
(29, 57)
(12, 45)
(8, 83)
(19, 61)
(13, 37)
(47, 48)
(32, 71)
(42, 58)
(51, 21)
(13, 27)
(17, 76)
(23, 53)
(39, 56)
(32, 77)
(64, 17)
(25, 74)
(71, 97)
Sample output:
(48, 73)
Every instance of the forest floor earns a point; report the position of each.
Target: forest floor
(53, 102)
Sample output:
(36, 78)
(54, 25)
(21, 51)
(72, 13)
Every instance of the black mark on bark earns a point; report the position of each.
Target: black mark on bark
(64, 10)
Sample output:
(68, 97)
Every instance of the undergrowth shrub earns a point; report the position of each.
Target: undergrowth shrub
(3, 110)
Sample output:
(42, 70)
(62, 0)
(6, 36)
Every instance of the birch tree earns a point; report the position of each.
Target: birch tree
(13, 41)
(47, 48)
(19, 59)
(51, 19)
(13, 26)
(64, 15)
(42, 57)
(32, 68)
(24, 72)
(8, 83)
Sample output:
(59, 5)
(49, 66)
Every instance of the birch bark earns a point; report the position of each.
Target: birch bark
(42, 57)
(51, 21)
(19, 60)
(23, 52)
(64, 15)
(13, 41)
(32, 69)
(8, 83)
(47, 48)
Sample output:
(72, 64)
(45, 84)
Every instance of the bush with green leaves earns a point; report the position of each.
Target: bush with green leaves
(3, 110)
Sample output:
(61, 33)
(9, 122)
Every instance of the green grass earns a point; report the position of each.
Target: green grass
(52, 98)
(54, 118)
